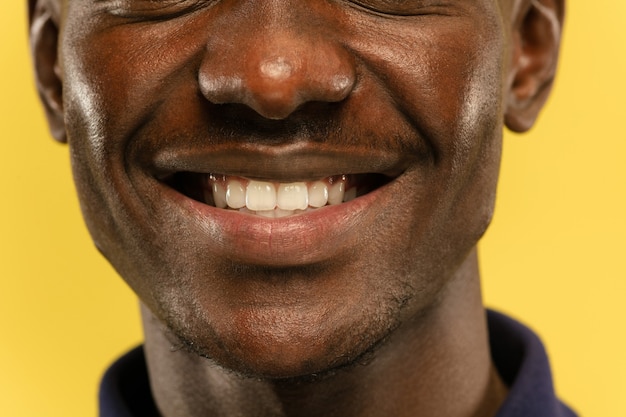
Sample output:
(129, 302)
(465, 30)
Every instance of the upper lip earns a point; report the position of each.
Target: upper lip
(284, 163)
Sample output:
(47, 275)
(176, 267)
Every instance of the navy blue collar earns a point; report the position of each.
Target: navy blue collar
(125, 389)
(523, 364)
(517, 352)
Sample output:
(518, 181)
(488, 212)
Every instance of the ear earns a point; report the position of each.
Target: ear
(536, 40)
(44, 37)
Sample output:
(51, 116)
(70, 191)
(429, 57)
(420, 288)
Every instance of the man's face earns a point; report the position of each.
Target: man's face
(165, 100)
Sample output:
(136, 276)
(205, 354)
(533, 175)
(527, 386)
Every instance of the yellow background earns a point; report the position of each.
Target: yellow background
(554, 256)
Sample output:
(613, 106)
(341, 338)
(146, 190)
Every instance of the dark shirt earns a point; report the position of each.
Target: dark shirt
(517, 353)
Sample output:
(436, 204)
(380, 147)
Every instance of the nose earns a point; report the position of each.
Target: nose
(275, 70)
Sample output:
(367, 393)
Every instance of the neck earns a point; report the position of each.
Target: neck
(433, 365)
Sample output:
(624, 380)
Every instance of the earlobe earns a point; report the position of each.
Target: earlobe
(536, 40)
(44, 36)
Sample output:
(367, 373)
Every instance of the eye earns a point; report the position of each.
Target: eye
(155, 9)
(399, 7)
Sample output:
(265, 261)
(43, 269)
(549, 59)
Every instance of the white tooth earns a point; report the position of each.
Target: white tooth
(219, 195)
(260, 195)
(292, 196)
(235, 194)
(336, 192)
(266, 213)
(278, 213)
(318, 194)
(275, 214)
(350, 195)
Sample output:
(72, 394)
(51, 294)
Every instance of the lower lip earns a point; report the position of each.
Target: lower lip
(302, 239)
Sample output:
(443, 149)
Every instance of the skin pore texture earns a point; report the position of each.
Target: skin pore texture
(371, 307)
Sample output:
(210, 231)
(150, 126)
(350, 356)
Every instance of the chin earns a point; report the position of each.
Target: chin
(283, 343)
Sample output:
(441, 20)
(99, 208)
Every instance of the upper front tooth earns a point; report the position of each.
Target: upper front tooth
(260, 195)
(294, 196)
(265, 196)
(235, 194)
(318, 194)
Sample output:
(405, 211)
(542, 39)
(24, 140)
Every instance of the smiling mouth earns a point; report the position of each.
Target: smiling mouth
(272, 199)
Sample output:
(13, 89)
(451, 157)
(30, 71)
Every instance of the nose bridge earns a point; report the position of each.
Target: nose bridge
(271, 60)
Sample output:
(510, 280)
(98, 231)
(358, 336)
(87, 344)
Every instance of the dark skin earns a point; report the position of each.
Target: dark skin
(367, 308)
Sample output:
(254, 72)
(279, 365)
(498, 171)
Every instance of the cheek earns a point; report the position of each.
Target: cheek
(108, 97)
(447, 88)
(450, 92)
(136, 68)
(446, 79)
